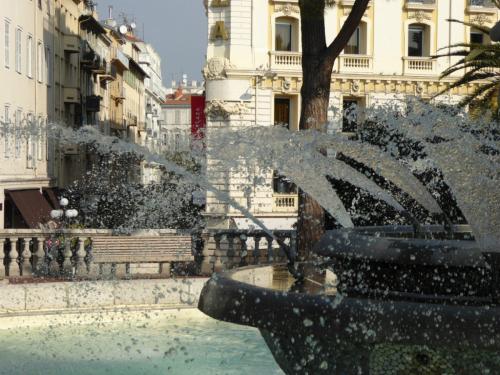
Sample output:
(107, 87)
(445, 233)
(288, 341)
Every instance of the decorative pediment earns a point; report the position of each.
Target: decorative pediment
(420, 16)
(481, 19)
(287, 9)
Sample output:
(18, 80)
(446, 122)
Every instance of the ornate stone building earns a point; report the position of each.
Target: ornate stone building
(253, 74)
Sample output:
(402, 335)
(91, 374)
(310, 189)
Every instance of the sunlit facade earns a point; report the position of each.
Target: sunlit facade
(254, 73)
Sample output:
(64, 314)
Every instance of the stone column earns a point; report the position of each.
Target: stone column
(13, 261)
(81, 267)
(67, 254)
(26, 267)
(39, 261)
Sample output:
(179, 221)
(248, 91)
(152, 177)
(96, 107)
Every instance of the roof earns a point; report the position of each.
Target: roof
(178, 98)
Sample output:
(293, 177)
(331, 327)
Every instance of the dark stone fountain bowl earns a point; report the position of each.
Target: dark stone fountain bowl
(326, 324)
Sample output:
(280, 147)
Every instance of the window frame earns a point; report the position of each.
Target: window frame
(7, 43)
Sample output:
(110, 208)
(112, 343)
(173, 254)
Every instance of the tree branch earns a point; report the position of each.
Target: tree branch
(350, 25)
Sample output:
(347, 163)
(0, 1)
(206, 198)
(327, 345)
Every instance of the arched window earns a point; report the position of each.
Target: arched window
(419, 40)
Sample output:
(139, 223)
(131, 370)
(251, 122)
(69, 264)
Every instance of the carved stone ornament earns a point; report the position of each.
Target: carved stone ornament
(420, 16)
(287, 9)
(287, 84)
(216, 68)
(355, 86)
(419, 88)
(481, 19)
(220, 108)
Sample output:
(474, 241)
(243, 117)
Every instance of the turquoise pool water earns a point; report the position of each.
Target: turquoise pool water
(177, 342)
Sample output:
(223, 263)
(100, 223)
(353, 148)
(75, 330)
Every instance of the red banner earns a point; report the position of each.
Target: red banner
(198, 121)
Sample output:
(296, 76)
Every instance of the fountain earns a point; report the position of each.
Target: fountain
(401, 298)
(394, 299)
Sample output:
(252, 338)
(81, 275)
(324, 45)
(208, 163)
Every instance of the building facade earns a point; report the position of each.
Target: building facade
(253, 74)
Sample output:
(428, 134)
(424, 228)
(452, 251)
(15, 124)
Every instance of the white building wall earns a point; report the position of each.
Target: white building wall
(25, 96)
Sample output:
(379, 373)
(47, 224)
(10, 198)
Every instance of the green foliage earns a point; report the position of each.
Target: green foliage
(481, 64)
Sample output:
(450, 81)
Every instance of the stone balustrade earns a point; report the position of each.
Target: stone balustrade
(226, 249)
(355, 64)
(420, 66)
(92, 254)
(284, 60)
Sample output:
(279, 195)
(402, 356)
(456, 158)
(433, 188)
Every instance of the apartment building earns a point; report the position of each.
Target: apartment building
(253, 74)
(26, 105)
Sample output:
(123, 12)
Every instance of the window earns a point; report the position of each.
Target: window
(39, 68)
(30, 143)
(18, 50)
(17, 133)
(353, 45)
(349, 115)
(29, 56)
(283, 36)
(48, 70)
(416, 41)
(6, 44)
(6, 130)
(476, 37)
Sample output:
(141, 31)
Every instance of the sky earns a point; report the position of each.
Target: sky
(176, 29)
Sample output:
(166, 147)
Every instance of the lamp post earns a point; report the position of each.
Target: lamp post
(64, 216)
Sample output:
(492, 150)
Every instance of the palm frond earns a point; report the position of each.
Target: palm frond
(484, 29)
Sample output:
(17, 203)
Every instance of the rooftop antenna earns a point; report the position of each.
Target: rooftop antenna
(110, 12)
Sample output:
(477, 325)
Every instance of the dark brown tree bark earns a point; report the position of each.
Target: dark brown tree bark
(317, 65)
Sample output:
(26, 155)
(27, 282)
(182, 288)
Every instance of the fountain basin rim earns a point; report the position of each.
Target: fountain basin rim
(404, 322)
(376, 244)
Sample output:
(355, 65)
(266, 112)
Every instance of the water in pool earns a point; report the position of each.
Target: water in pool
(173, 342)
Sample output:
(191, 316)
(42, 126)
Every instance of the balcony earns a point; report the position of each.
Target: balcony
(355, 64)
(350, 3)
(285, 203)
(419, 66)
(71, 95)
(284, 60)
(71, 43)
(481, 6)
(420, 4)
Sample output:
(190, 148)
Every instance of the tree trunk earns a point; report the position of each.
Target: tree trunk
(317, 66)
(315, 95)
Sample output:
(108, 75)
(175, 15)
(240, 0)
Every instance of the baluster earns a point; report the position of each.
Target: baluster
(54, 267)
(270, 252)
(81, 267)
(67, 265)
(13, 258)
(256, 250)
(244, 250)
(26, 268)
(2, 256)
(230, 250)
(39, 261)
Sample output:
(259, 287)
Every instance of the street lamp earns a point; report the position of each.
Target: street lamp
(61, 214)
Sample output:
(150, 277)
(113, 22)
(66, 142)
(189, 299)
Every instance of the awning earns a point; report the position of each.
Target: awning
(33, 205)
